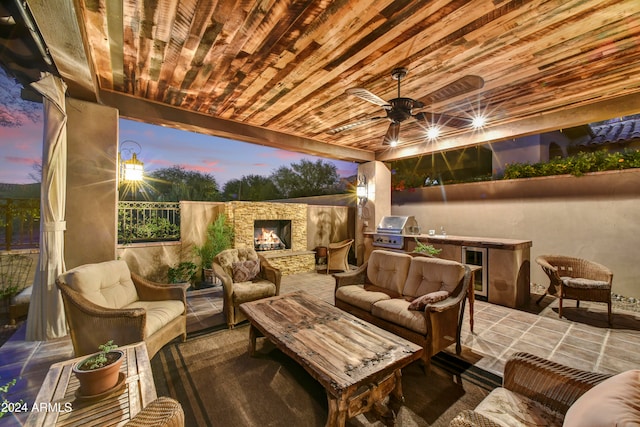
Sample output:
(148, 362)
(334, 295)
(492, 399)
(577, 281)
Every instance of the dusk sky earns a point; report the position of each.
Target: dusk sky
(161, 147)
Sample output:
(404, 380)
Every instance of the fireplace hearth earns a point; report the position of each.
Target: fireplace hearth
(271, 235)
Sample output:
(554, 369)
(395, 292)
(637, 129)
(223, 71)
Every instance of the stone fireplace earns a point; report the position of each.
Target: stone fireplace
(289, 219)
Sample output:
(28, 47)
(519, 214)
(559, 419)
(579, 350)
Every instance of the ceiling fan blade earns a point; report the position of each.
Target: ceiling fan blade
(391, 137)
(461, 86)
(353, 124)
(442, 120)
(368, 96)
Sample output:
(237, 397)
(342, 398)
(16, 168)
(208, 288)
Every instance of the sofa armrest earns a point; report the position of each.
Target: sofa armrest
(227, 281)
(469, 418)
(352, 277)
(554, 385)
(153, 291)
(454, 299)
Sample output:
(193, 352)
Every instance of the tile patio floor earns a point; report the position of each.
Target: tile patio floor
(583, 342)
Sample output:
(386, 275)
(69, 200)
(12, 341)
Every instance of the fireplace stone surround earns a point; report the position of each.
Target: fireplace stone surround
(297, 259)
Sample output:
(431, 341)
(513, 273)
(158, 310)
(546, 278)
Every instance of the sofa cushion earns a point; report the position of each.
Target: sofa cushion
(251, 291)
(421, 302)
(107, 284)
(428, 275)
(396, 310)
(362, 296)
(159, 313)
(613, 402)
(244, 271)
(388, 269)
(507, 409)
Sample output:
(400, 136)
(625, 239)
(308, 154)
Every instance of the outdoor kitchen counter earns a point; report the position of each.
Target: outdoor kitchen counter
(478, 242)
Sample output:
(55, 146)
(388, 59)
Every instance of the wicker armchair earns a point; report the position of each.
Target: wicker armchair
(229, 266)
(538, 385)
(578, 279)
(106, 301)
(338, 255)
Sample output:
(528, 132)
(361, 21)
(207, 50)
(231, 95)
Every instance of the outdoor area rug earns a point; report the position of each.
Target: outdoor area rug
(219, 384)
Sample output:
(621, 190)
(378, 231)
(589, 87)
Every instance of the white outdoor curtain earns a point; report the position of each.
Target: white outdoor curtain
(46, 312)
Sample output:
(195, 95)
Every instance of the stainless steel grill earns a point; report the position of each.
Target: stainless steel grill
(391, 230)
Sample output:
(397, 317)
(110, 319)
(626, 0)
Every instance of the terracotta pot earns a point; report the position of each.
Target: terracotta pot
(96, 381)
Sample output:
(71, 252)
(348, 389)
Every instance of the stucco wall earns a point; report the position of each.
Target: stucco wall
(92, 192)
(594, 216)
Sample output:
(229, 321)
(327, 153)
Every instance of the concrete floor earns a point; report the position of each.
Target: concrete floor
(582, 340)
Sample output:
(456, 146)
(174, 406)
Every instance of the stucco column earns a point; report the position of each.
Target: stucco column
(92, 183)
(378, 204)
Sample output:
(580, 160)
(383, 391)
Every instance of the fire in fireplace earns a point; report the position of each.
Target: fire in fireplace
(270, 235)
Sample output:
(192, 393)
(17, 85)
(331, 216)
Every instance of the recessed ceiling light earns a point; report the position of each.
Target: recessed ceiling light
(478, 122)
(433, 132)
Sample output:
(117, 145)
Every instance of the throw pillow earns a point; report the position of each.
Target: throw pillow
(421, 302)
(243, 271)
(613, 402)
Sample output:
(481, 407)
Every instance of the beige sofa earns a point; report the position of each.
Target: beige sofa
(539, 392)
(420, 298)
(105, 301)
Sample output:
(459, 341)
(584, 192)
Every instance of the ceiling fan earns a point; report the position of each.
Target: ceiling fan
(400, 109)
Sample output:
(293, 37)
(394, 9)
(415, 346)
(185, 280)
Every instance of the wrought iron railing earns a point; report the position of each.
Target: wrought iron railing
(148, 222)
(19, 223)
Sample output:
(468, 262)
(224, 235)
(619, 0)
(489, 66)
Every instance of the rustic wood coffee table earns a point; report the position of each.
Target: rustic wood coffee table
(356, 362)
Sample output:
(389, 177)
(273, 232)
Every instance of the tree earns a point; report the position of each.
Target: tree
(176, 183)
(306, 179)
(251, 188)
(13, 109)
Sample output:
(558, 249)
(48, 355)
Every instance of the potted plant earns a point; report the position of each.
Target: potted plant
(184, 272)
(99, 372)
(426, 249)
(219, 237)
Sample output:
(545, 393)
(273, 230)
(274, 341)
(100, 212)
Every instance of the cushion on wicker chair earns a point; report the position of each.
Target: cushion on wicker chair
(107, 284)
(251, 291)
(512, 409)
(582, 283)
(244, 271)
(613, 402)
(159, 313)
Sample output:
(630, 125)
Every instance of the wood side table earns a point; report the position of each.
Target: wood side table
(60, 406)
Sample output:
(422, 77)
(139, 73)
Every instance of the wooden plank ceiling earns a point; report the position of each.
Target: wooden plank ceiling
(285, 66)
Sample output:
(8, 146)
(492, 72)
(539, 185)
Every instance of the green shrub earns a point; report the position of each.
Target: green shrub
(576, 165)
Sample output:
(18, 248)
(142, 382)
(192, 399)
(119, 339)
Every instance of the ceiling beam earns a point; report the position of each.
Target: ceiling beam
(167, 115)
(540, 123)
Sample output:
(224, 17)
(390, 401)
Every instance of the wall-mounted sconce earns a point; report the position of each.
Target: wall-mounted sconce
(362, 193)
(132, 169)
(362, 190)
